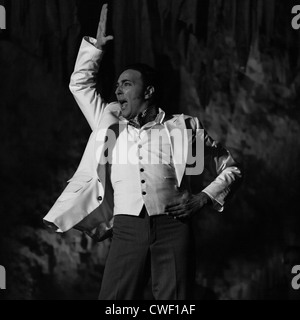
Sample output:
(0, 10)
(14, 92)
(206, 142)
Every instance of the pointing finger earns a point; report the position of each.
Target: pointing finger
(102, 21)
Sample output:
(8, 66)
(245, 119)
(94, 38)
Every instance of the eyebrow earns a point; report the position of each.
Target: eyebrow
(122, 81)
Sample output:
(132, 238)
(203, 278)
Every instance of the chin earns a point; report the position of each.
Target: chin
(125, 115)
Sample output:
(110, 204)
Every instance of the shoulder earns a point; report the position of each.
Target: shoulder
(190, 121)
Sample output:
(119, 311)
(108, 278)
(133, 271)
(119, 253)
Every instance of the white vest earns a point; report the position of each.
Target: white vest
(142, 171)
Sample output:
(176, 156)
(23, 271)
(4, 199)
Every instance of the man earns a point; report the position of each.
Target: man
(135, 175)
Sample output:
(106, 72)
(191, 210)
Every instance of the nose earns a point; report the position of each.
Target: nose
(118, 90)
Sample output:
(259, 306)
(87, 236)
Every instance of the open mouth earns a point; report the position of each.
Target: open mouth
(123, 104)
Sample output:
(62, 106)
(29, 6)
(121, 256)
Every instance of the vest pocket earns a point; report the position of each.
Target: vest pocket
(76, 185)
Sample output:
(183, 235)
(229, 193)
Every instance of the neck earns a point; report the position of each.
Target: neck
(145, 116)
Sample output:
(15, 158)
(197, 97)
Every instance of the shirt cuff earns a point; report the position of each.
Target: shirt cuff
(216, 205)
(91, 41)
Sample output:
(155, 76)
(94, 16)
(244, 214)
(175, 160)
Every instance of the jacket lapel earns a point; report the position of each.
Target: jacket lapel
(179, 140)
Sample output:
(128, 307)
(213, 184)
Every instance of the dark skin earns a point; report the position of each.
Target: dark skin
(185, 207)
(102, 39)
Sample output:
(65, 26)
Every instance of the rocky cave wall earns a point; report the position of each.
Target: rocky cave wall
(233, 63)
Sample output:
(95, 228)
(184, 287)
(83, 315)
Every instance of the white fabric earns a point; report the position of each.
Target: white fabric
(157, 180)
(87, 202)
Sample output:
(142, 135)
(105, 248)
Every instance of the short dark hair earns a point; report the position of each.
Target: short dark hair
(149, 76)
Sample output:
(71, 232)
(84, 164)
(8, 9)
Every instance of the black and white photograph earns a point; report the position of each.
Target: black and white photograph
(150, 151)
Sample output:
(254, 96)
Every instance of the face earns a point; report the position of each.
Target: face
(131, 94)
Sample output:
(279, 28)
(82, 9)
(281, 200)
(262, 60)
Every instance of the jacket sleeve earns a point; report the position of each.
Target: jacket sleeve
(83, 82)
(225, 171)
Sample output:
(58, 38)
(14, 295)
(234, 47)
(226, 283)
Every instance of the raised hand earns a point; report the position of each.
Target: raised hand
(102, 39)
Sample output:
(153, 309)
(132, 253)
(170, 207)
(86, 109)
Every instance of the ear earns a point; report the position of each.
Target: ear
(149, 92)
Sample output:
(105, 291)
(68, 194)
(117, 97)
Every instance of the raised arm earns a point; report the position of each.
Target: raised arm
(83, 79)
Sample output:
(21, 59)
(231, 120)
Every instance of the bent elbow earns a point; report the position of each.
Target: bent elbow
(72, 86)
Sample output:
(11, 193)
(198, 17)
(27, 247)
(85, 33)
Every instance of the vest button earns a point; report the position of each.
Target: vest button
(99, 198)
(143, 181)
(140, 146)
(144, 193)
(142, 170)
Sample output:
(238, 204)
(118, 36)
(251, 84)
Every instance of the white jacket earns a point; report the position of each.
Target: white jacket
(87, 203)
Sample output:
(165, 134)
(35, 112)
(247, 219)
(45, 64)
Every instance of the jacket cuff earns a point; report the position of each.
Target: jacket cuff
(90, 42)
(217, 205)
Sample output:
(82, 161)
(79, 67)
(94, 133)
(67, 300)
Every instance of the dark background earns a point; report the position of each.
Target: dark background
(233, 63)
